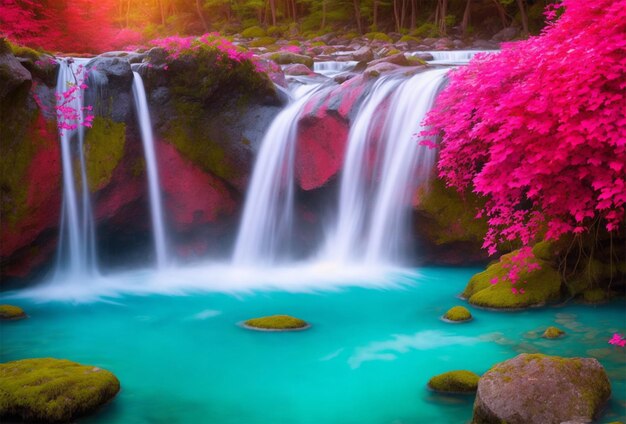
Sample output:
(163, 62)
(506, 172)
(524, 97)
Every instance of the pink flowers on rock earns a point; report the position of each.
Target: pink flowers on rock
(618, 340)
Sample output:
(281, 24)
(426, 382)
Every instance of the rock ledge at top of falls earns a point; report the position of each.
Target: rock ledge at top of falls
(534, 388)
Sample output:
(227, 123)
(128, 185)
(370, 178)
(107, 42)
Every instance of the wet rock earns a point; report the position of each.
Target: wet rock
(396, 59)
(287, 58)
(458, 314)
(363, 54)
(297, 69)
(11, 312)
(553, 333)
(461, 381)
(535, 388)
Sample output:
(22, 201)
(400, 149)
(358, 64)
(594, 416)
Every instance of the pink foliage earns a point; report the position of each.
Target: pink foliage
(618, 340)
(521, 261)
(69, 116)
(540, 129)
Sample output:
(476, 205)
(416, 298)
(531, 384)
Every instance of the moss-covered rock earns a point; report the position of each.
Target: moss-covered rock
(53, 390)
(458, 314)
(461, 381)
(535, 388)
(277, 322)
(10, 312)
(553, 333)
(253, 32)
(595, 295)
(378, 36)
(287, 58)
(492, 289)
(104, 148)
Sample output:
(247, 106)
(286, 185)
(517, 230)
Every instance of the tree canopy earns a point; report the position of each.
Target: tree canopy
(540, 128)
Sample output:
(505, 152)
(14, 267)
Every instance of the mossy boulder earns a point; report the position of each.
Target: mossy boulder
(535, 388)
(553, 333)
(288, 58)
(253, 32)
(53, 390)
(276, 322)
(458, 314)
(595, 295)
(262, 42)
(461, 381)
(492, 288)
(10, 312)
(378, 36)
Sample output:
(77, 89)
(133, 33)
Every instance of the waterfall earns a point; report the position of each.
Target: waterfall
(77, 239)
(375, 200)
(268, 211)
(354, 187)
(331, 68)
(451, 57)
(156, 205)
(406, 166)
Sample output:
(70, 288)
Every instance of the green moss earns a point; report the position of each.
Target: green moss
(253, 32)
(262, 42)
(276, 322)
(274, 31)
(287, 58)
(540, 286)
(454, 215)
(11, 312)
(104, 148)
(23, 51)
(53, 390)
(595, 295)
(408, 38)
(461, 381)
(553, 333)
(426, 30)
(458, 313)
(378, 36)
(318, 44)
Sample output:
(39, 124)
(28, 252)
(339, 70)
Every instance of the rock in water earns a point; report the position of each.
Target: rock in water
(52, 390)
(535, 388)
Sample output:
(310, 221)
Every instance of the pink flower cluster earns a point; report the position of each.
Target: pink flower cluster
(177, 46)
(69, 117)
(519, 262)
(618, 340)
(540, 128)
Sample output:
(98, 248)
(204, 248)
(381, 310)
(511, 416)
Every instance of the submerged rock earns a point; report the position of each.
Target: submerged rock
(461, 381)
(535, 388)
(458, 314)
(10, 312)
(276, 322)
(52, 390)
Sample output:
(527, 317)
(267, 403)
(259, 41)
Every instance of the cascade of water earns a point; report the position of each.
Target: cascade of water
(452, 57)
(343, 243)
(152, 170)
(372, 216)
(406, 166)
(268, 211)
(330, 68)
(77, 240)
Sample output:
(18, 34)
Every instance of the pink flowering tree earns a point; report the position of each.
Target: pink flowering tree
(539, 129)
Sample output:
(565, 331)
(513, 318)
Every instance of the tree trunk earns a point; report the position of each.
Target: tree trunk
(273, 10)
(323, 15)
(162, 10)
(357, 16)
(413, 14)
(128, 14)
(375, 16)
(402, 14)
(201, 16)
(466, 17)
(294, 7)
(522, 10)
(396, 15)
(501, 13)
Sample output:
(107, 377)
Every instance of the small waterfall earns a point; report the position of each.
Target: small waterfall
(152, 170)
(354, 187)
(77, 239)
(331, 68)
(452, 57)
(372, 221)
(268, 211)
(406, 165)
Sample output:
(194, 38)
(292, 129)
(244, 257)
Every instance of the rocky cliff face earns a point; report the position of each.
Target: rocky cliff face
(208, 124)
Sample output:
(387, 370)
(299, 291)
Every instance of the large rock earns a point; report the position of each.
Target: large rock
(111, 78)
(287, 58)
(48, 390)
(493, 289)
(534, 388)
(12, 74)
